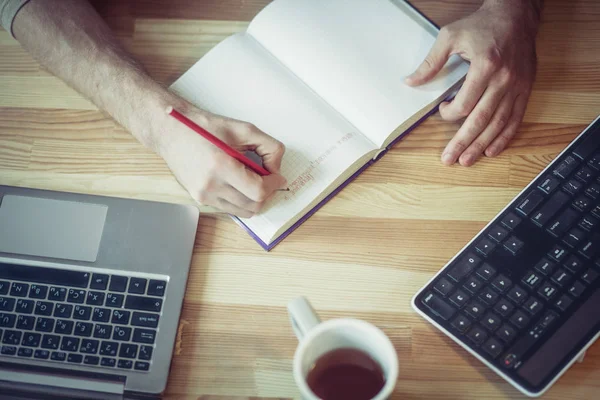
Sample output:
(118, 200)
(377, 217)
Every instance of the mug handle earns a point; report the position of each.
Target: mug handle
(302, 316)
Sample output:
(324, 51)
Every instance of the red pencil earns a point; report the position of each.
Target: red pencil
(217, 142)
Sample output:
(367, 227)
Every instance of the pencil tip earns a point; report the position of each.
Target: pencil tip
(169, 109)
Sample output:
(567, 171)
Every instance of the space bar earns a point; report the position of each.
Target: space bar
(52, 276)
(577, 327)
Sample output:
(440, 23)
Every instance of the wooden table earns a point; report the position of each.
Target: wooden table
(362, 255)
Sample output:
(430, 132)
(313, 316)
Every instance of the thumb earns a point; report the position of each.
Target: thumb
(268, 148)
(433, 63)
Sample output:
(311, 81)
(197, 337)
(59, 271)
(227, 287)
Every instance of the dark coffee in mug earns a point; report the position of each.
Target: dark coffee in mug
(346, 374)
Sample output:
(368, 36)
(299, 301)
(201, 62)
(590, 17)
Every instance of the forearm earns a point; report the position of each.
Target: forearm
(70, 39)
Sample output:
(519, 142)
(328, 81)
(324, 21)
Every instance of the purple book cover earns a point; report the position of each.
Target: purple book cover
(285, 234)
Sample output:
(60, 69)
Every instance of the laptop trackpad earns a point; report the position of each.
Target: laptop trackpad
(51, 228)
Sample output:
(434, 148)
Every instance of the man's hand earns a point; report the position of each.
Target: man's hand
(211, 176)
(499, 41)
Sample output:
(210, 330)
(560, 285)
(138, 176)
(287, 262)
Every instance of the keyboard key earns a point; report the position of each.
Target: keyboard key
(41, 354)
(497, 233)
(121, 333)
(19, 289)
(485, 246)
(99, 282)
(561, 277)
(461, 323)
(58, 356)
(44, 324)
(118, 283)
(545, 267)
(491, 321)
(547, 291)
(63, 310)
(75, 358)
(477, 335)
(11, 337)
(519, 319)
(31, 339)
(102, 331)
(143, 303)
(563, 222)
(101, 315)
(594, 162)
(548, 184)
(563, 302)
(488, 296)
(587, 147)
(472, 284)
(7, 320)
(504, 307)
(584, 174)
(513, 244)
(7, 303)
(147, 336)
(108, 362)
(109, 349)
(83, 313)
(593, 191)
(591, 246)
(25, 352)
(76, 296)
(69, 343)
(128, 350)
(442, 286)
(438, 306)
(492, 347)
(577, 289)
(502, 283)
(156, 287)
(582, 203)
(120, 317)
(89, 346)
(531, 279)
(95, 298)
(4, 285)
(511, 221)
(125, 364)
(145, 353)
(45, 275)
(142, 366)
(558, 253)
(50, 342)
(83, 329)
(530, 202)
(567, 166)
(57, 294)
(8, 350)
(589, 276)
(64, 327)
(38, 291)
(596, 211)
(533, 306)
(550, 208)
(507, 333)
(588, 223)
(24, 306)
(573, 264)
(114, 300)
(486, 272)
(459, 298)
(573, 186)
(44, 308)
(137, 285)
(91, 360)
(25, 322)
(460, 270)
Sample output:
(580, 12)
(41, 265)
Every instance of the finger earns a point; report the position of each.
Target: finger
(477, 80)
(232, 209)
(257, 188)
(494, 127)
(434, 61)
(238, 199)
(501, 141)
(268, 148)
(476, 122)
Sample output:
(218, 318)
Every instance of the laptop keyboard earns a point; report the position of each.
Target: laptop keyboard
(530, 273)
(74, 317)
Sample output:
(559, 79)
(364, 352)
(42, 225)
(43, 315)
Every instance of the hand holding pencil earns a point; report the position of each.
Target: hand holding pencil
(204, 151)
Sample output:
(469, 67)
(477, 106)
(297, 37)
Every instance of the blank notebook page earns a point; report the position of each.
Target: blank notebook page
(355, 54)
(239, 79)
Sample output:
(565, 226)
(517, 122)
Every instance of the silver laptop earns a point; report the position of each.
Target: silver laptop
(91, 290)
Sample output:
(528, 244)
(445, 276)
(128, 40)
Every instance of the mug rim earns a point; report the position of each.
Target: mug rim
(305, 390)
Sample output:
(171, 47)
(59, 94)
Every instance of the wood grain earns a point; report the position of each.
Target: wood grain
(362, 255)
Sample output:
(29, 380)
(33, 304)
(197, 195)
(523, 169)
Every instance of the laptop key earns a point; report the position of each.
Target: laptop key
(114, 300)
(50, 342)
(109, 349)
(44, 324)
(7, 320)
(24, 306)
(42, 354)
(118, 283)
(83, 329)
(8, 350)
(91, 360)
(120, 317)
(11, 337)
(75, 358)
(83, 313)
(137, 285)
(147, 336)
(102, 331)
(145, 352)
(101, 315)
(64, 327)
(156, 287)
(25, 322)
(108, 362)
(142, 365)
(76, 296)
(4, 285)
(121, 333)
(46, 275)
(143, 303)
(19, 289)
(63, 310)
(38, 291)
(31, 339)
(57, 294)
(58, 356)
(95, 298)
(69, 343)
(89, 346)
(125, 364)
(99, 281)
(7, 303)
(128, 350)
(44, 308)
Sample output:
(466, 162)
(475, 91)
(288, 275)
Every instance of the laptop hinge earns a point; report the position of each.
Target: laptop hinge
(29, 385)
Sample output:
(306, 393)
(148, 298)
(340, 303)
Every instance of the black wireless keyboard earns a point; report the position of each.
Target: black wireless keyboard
(524, 295)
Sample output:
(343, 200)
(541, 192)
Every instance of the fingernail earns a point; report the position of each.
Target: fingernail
(447, 158)
(468, 160)
(491, 152)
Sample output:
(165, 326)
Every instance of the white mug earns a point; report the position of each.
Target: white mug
(318, 338)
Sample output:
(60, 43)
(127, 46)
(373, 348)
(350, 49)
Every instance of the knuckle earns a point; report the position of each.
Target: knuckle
(481, 119)
(460, 146)
(461, 110)
(447, 32)
(478, 147)
(491, 60)
(502, 141)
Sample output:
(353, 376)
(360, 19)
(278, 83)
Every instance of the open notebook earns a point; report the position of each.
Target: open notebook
(325, 77)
